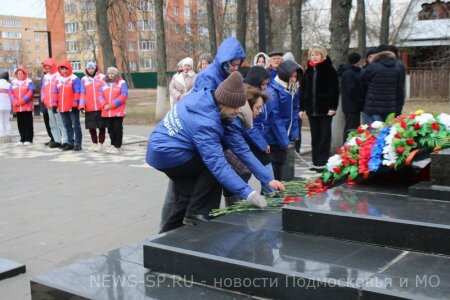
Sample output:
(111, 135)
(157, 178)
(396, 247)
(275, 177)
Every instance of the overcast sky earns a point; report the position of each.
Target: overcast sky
(23, 8)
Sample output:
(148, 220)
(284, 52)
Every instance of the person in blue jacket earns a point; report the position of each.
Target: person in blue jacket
(281, 127)
(187, 146)
(229, 57)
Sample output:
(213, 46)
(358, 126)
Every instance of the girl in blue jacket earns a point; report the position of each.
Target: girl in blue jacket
(281, 126)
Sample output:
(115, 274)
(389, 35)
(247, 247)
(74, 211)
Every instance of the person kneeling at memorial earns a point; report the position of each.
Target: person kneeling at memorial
(187, 146)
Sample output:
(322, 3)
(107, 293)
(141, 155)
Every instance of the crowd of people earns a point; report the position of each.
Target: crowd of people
(233, 120)
(63, 96)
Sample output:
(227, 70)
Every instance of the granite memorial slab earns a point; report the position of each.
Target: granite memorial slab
(266, 263)
(10, 268)
(440, 167)
(427, 190)
(378, 218)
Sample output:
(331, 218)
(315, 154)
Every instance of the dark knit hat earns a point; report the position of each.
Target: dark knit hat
(381, 48)
(256, 75)
(353, 58)
(369, 52)
(276, 52)
(231, 91)
(286, 68)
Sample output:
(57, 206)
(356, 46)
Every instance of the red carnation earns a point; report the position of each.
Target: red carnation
(404, 125)
(398, 136)
(416, 126)
(400, 150)
(358, 142)
(410, 142)
(353, 161)
(412, 116)
(359, 130)
(435, 126)
(337, 170)
(340, 151)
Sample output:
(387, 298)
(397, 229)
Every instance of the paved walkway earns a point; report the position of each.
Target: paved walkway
(60, 207)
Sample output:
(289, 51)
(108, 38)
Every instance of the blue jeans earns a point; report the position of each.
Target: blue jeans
(71, 121)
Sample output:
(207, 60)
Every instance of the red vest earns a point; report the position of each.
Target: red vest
(21, 95)
(115, 94)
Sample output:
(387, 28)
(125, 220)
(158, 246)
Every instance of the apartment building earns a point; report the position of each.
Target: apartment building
(23, 42)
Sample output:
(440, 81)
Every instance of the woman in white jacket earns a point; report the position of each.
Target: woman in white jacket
(5, 108)
(182, 82)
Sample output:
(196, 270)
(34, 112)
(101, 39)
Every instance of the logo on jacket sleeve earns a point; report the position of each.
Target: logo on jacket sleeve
(172, 122)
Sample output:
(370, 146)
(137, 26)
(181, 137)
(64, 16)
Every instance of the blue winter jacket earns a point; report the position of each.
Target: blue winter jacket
(193, 127)
(213, 75)
(237, 138)
(281, 124)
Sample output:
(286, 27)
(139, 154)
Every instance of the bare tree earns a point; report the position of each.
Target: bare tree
(241, 30)
(296, 29)
(340, 40)
(101, 17)
(361, 25)
(269, 35)
(385, 16)
(211, 26)
(161, 93)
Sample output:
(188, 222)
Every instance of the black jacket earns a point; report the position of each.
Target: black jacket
(382, 83)
(320, 89)
(351, 89)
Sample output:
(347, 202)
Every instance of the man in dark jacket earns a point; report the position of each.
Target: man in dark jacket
(381, 80)
(352, 93)
(402, 73)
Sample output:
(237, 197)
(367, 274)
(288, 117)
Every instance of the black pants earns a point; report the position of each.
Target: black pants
(320, 138)
(298, 143)
(47, 124)
(115, 130)
(25, 126)
(352, 122)
(196, 191)
(278, 156)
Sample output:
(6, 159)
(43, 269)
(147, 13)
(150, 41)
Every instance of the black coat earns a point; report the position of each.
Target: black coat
(319, 89)
(351, 89)
(382, 82)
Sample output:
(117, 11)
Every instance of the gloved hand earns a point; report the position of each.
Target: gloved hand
(54, 110)
(257, 200)
(82, 110)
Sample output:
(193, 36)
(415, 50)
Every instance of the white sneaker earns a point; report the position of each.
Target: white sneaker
(92, 148)
(113, 150)
(19, 143)
(99, 148)
(26, 143)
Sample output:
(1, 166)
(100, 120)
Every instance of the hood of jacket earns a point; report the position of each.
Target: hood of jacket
(266, 59)
(51, 63)
(65, 63)
(346, 67)
(286, 68)
(229, 49)
(386, 58)
(24, 70)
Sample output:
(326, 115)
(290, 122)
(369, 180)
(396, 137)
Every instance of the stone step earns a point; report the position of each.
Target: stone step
(382, 218)
(248, 256)
(120, 274)
(427, 190)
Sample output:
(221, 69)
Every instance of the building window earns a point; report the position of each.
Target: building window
(37, 48)
(133, 65)
(38, 60)
(129, 7)
(176, 29)
(187, 28)
(203, 31)
(11, 35)
(36, 36)
(11, 23)
(88, 5)
(145, 5)
(175, 10)
(187, 11)
(72, 46)
(71, 27)
(130, 26)
(27, 42)
(145, 63)
(70, 7)
(147, 45)
(146, 25)
(231, 2)
(89, 45)
(76, 65)
(131, 46)
(11, 46)
(89, 25)
(36, 26)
